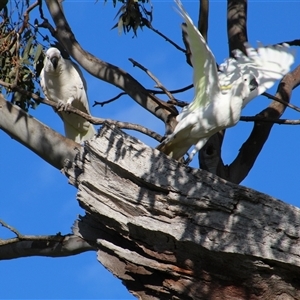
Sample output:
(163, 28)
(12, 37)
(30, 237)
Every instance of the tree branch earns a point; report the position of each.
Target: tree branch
(203, 18)
(149, 25)
(294, 107)
(39, 138)
(154, 78)
(102, 103)
(109, 72)
(237, 24)
(12, 229)
(48, 245)
(259, 118)
(174, 101)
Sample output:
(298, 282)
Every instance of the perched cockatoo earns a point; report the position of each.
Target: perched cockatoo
(220, 96)
(62, 81)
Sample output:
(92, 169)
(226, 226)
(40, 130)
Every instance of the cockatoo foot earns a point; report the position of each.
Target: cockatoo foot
(62, 106)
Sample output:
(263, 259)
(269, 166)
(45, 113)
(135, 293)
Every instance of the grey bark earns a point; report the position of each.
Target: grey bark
(172, 232)
(166, 230)
(50, 246)
(42, 140)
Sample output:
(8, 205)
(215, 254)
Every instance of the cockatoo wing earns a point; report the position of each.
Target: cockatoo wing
(271, 64)
(267, 64)
(219, 97)
(65, 84)
(205, 77)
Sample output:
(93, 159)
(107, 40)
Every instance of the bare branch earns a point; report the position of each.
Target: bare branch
(149, 25)
(26, 16)
(109, 101)
(203, 18)
(49, 245)
(109, 72)
(12, 229)
(158, 83)
(174, 91)
(42, 140)
(237, 24)
(173, 101)
(292, 106)
(292, 43)
(259, 118)
(176, 102)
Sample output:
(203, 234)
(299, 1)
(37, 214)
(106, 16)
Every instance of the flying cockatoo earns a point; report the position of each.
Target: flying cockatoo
(62, 81)
(220, 96)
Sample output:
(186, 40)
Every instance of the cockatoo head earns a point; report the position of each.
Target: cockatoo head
(52, 60)
(248, 84)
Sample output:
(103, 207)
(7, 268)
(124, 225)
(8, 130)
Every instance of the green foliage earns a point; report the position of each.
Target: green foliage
(133, 15)
(21, 55)
(124, 1)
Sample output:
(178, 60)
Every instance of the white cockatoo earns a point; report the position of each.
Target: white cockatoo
(220, 96)
(62, 81)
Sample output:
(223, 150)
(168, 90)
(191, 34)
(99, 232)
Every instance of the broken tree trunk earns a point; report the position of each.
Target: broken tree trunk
(172, 232)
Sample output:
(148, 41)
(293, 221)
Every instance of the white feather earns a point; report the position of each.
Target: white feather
(219, 97)
(62, 81)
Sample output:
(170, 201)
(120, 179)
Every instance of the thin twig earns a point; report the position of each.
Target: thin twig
(26, 16)
(131, 126)
(270, 120)
(158, 83)
(12, 229)
(165, 37)
(296, 108)
(292, 43)
(173, 91)
(109, 100)
(173, 102)
(178, 103)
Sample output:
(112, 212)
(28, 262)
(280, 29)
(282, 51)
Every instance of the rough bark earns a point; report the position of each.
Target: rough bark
(172, 232)
(237, 24)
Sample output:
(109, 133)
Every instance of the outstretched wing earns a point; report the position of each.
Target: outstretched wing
(267, 64)
(205, 71)
(272, 63)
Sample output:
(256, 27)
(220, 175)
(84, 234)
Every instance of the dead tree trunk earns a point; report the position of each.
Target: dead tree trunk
(172, 232)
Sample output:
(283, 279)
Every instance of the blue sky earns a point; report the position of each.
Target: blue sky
(36, 198)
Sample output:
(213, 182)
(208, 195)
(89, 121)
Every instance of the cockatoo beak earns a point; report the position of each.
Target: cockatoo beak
(54, 61)
(253, 84)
